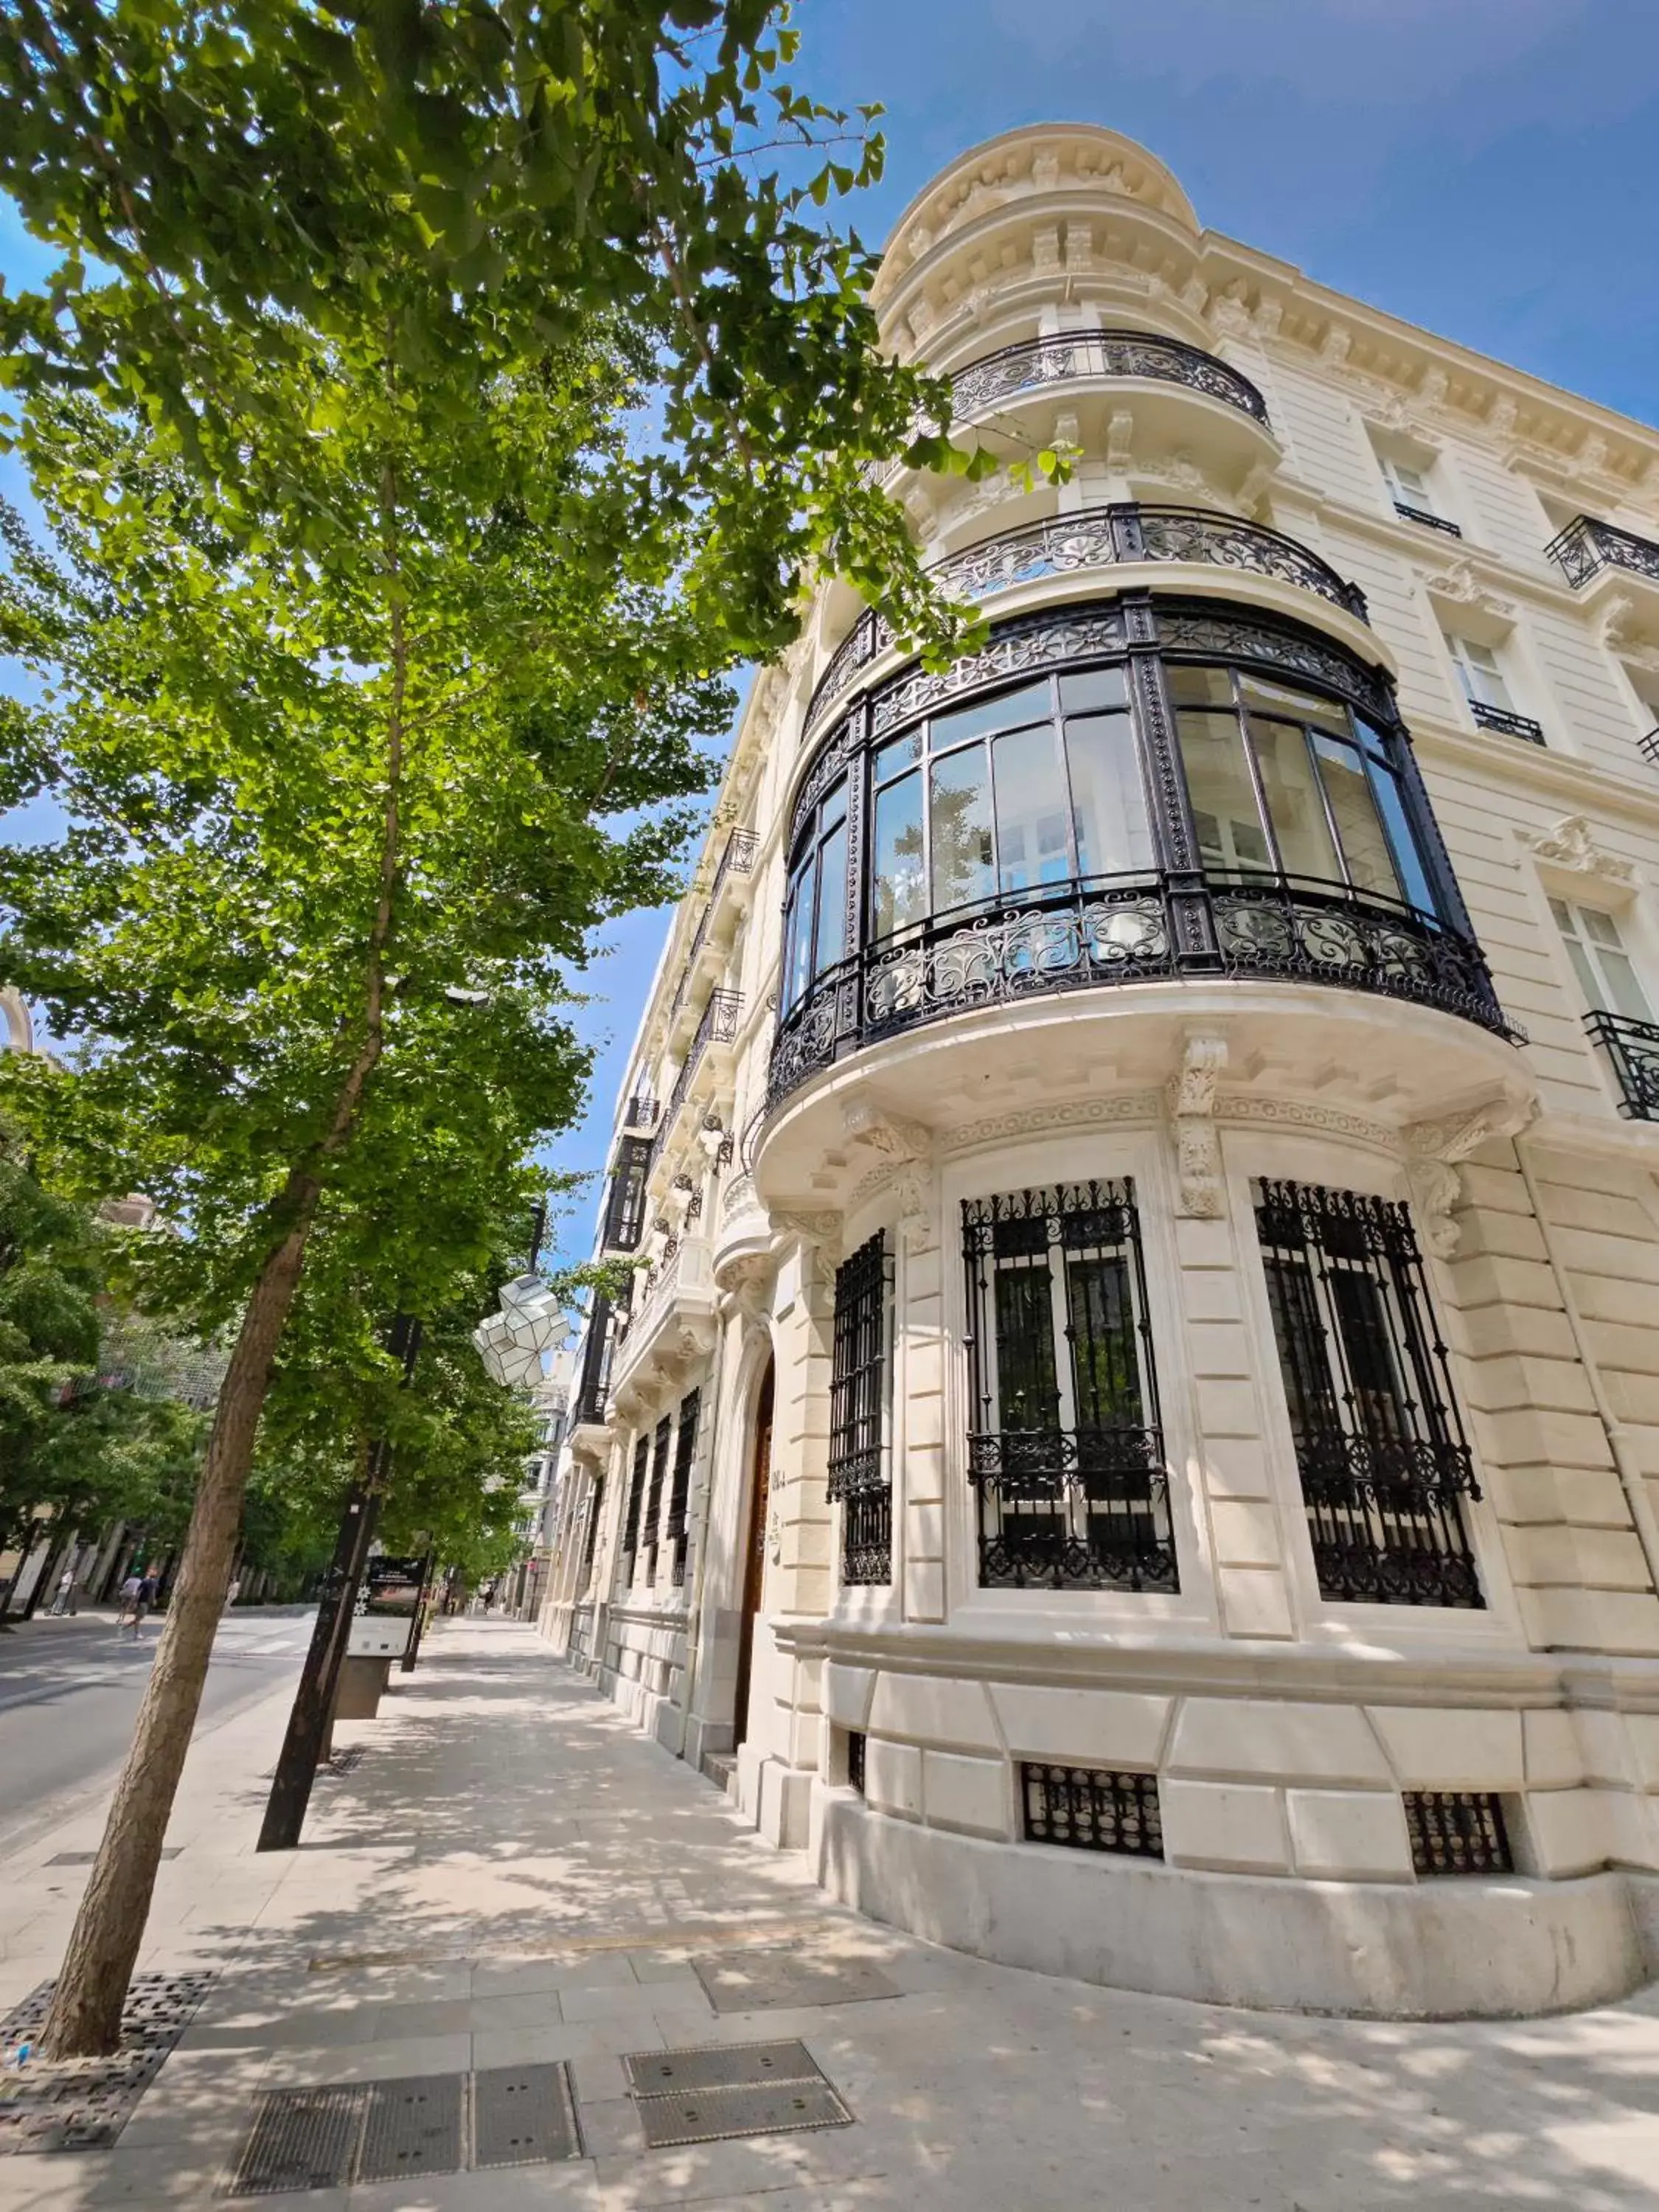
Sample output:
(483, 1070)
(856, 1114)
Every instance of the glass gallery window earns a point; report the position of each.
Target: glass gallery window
(1283, 783)
(990, 801)
(815, 909)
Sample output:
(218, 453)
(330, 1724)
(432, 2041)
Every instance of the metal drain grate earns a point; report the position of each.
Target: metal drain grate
(414, 2126)
(712, 2092)
(83, 2103)
(301, 2139)
(773, 1981)
(716, 2115)
(90, 1858)
(523, 2116)
(717, 2066)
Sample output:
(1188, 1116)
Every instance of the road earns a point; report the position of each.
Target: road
(69, 1694)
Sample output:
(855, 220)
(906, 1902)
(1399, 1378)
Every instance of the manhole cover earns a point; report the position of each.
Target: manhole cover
(414, 2127)
(83, 2103)
(301, 2139)
(712, 2115)
(772, 1981)
(523, 2116)
(90, 1858)
(717, 2066)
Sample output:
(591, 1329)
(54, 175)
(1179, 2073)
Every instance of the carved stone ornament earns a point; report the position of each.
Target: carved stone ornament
(822, 1233)
(1197, 1142)
(775, 1530)
(747, 1279)
(1434, 1148)
(1570, 848)
(1459, 585)
(866, 1124)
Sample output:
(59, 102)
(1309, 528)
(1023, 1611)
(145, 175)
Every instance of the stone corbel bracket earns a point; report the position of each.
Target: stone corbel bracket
(1200, 1194)
(1433, 1150)
(906, 1150)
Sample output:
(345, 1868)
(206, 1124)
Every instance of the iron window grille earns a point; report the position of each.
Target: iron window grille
(590, 1540)
(859, 1480)
(1379, 1445)
(624, 1211)
(855, 1759)
(685, 1445)
(635, 1505)
(594, 1381)
(1066, 1449)
(1089, 1808)
(1458, 1831)
(654, 1496)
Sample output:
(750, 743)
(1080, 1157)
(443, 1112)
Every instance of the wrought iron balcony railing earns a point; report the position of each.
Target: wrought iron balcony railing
(1096, 538)
(1649, 746)
(717, 1024)
(1425, 519)
(1506, 722)
(1078, 355)
(639, 1112)
(1632, 1047)
(736, 860)
(1088, 1510)
(1586, 546)
(1070, 936)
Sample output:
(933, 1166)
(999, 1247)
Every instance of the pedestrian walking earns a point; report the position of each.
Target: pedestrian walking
(148, 1591)
(132, 1593)
(64, 1600)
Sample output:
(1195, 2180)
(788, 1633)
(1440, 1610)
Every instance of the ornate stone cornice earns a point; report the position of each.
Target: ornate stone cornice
(1299, 1114)
(1035, 1120)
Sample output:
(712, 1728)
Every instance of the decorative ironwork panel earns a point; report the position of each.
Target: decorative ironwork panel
(1089, 1808)
(1274, 928)
(1633, 1048)
(1379, 1444)
(1037, 361)
(685, 1445)
(1586, 545)
(1421, 516)
(1458, 1831)
(859, 1481)
(1017, 647)
(1200, 629)
(1096, 537)
(1065, 1446)
(1506, 724)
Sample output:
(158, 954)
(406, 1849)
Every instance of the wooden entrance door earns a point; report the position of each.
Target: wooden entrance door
(754, 1552)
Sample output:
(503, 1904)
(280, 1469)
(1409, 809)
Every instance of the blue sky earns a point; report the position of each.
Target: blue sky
(1486, 167)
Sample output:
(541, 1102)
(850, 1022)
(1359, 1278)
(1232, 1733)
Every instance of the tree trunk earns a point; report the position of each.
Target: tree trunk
(85, 2020)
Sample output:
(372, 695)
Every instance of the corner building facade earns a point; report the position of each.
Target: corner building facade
(1136, 1445)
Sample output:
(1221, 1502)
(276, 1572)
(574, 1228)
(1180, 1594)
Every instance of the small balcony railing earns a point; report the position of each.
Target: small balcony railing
(1633, 1047)
(1586, 546)
(1078, 355)
(717, 1024)
(1425, 519)
(639, 1112)
(1507, 722)
(1063, 1509)
(1078, 935)
(1098, 537)
(1649, 747)
(736, 860)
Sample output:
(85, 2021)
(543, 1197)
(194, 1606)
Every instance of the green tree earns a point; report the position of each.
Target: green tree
(428, 406)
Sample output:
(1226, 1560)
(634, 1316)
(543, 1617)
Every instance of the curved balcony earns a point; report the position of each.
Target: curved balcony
(1077, 355)
(1126, 534)
(1076, 936)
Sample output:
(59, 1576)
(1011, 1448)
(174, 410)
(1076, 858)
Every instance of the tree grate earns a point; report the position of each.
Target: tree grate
(721, 2092)
(413, 2126)
(523, 2116)
(773, 1981)
(83, 2103)
(300, 2139)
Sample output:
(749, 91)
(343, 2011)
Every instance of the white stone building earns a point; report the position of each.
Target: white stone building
(1140, 1436)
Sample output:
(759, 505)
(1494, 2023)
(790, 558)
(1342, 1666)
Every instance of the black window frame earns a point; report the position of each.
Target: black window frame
(1381, 1452)
(829, 818)
(661, 1442)
(679, 1496)
(630, 1543)
(625, 1198)
(859, 1479)
(1064, 1503)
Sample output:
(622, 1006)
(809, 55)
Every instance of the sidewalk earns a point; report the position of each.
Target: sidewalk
(512, 1875)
